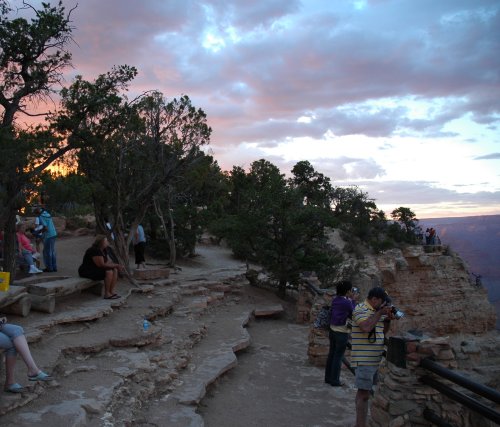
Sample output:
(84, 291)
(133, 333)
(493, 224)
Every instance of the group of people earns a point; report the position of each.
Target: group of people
(96, 265)
(431, 238)
(367, 323)
(43, 232)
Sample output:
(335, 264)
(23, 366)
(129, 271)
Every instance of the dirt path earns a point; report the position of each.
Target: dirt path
(109, 373)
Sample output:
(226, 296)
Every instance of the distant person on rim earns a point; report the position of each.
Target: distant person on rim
(371, 321)
(45, 226)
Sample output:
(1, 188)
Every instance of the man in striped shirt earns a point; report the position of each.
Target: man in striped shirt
(371, 320)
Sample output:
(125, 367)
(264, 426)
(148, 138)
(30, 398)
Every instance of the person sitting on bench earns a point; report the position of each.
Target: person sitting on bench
(13, 341)
(26, 251)
(97, 266)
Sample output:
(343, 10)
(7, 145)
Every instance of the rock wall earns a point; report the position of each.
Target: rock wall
(403, 399)
(442, 306)
(435, 292)
(433, 289)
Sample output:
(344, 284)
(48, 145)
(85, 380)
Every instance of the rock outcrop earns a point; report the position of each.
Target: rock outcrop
(432, 288)
(449, 317)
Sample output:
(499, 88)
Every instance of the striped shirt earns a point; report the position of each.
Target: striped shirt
(366, 352)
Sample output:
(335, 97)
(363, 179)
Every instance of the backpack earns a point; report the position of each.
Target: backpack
(323, 317)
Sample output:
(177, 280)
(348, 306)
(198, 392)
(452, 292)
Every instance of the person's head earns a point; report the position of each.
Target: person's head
(376, 297)
(101, 241)
(20, 227)
(343, 287)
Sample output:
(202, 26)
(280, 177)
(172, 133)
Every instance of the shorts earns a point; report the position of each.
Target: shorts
(92, 274)
(366, 377)
(8, 333)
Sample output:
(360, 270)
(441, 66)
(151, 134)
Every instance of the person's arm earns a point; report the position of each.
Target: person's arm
(19, 244)
(368, 324)
(99, 262)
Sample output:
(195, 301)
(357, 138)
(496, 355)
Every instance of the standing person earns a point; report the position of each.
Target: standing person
(109, 228)
(26, 251)
(97, 266)
(44, 223)
(13, 341)
(342, 307)
(432, 236)
(139, 246)
(371, 321)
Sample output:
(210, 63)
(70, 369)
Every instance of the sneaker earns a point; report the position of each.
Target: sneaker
(34, 270)
(38, 270)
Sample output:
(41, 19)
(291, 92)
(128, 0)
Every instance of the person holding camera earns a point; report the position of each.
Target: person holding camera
(371, 321)
(341, 312)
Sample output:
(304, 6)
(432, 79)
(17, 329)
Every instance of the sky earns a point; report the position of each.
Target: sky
(398, 97)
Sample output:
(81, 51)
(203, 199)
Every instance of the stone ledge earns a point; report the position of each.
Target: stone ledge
(268, 311)
(152, 273)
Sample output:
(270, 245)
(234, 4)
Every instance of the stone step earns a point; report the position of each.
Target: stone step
(211, 358)
(129, 362)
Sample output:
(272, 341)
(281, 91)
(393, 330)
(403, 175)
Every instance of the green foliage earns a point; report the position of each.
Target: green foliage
(158, 140)
(69, 195)
(408, 223)
(33, 54)
(277, 223)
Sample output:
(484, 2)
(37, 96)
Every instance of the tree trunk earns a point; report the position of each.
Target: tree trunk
(9, 245)
(173, 252)
(282, 288)
(171, 242)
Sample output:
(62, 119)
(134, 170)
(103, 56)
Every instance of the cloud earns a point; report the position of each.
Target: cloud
(267, 73)
(492, 156)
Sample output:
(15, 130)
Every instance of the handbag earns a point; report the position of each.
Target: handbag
(323, 317)
(4, 281)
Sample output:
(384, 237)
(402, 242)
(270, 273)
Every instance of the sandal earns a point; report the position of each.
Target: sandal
(41, 376)
(114, 296)
(14, 388)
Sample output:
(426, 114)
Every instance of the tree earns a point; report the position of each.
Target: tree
(315, 187)
(406, 217)
(354, 210)
(186, 206)
(68, 194)
(271, 223)
(32, 57)
(131, 150)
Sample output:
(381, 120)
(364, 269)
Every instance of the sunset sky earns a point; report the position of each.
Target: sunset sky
(398, 97)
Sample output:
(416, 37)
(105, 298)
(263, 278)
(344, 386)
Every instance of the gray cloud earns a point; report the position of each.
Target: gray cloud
(492, 156)
(352, 71)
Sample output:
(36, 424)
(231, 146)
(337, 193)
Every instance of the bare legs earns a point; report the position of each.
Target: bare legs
(23, 349)
(362, 397)
(110, 280)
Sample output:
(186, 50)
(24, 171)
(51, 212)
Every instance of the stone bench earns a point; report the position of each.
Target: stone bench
(43, 294)
(15, 301)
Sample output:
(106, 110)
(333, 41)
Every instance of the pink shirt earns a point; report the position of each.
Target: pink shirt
(24, 242)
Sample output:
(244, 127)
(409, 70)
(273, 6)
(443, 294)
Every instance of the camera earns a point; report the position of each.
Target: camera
(398, 314)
